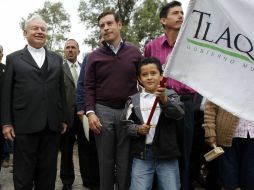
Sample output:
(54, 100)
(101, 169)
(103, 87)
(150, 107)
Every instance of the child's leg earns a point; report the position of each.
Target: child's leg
(142, 174)
(168, 174)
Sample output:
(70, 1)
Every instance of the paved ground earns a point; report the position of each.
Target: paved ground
(7, 183)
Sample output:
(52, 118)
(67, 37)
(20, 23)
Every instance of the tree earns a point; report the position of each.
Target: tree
(58, 21)
(146, 22)
(140, 18)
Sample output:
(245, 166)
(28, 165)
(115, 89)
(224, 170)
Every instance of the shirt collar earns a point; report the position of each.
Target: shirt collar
(115, 49)
(164, 41)
(35, 50)
(145, 94)
(70, 63)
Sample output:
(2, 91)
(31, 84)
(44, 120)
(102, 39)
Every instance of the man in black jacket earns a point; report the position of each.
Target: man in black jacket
(34, 102)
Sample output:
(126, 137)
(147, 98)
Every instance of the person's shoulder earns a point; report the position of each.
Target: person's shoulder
(130, 45)
(98, 51)
(16, 53)
(170, 92)
(135, 96)
(156, 40)
(53, 54)
(131, 49)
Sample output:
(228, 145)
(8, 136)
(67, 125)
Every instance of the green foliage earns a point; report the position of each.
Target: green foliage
(58, 21)
(140, 18)
(146, 21)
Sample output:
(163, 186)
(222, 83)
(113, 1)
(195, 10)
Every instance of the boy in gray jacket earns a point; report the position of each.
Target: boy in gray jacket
(154, 147)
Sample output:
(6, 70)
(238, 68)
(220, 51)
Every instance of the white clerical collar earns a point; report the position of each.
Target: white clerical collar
(32, 49)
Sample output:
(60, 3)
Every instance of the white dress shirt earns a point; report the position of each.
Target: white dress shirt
(146, 104)
(77, 66)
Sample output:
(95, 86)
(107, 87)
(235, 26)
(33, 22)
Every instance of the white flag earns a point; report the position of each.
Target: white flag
(214, 53)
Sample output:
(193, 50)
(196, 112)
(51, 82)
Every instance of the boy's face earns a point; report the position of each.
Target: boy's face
(150, 77)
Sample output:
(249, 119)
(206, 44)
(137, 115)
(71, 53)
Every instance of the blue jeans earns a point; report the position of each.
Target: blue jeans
(143, 171)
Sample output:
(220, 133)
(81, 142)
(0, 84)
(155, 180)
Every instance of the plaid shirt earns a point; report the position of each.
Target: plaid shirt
(244, 128)
(160, 49)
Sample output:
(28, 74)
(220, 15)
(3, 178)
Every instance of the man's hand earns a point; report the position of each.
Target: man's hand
(64, 128)
(80, 115)
(94, 123)
(210, 141)
(143, 129)
(8, 132)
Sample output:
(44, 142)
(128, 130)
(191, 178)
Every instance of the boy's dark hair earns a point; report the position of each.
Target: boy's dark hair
(165, 9)
(109, 12)
(150, 60)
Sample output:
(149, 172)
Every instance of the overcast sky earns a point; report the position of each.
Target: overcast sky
(11, 12)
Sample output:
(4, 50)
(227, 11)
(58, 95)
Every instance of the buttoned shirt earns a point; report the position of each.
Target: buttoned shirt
(115, 49)
(146, 104)
(37, 54)
(77, 66)
(160, 49)
(244, 128)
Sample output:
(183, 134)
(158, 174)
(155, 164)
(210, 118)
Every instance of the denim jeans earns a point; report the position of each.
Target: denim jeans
(143, 171)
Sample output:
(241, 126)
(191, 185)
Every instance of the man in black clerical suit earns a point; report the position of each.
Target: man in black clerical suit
(34, 107)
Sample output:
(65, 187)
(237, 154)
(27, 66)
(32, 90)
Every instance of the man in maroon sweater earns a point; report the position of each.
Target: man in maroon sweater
(110, 79)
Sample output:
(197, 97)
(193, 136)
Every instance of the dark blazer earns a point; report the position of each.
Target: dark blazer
(80, 92)
(70, 90)
(29, 100)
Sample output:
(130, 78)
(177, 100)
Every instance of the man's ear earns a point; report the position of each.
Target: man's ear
(24, 33)
(163, 21)
(120, 25)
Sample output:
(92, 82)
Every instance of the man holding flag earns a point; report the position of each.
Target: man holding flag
(171, 18)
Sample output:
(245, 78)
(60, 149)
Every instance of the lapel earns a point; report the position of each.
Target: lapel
(27, 57)
(67, 72)
(50, 58)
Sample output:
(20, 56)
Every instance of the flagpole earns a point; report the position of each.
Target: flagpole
(162, 84)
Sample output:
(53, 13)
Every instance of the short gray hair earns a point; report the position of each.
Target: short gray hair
(34, 17)
(1, 47)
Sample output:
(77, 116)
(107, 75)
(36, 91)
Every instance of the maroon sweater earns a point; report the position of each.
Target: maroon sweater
(110, 78)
